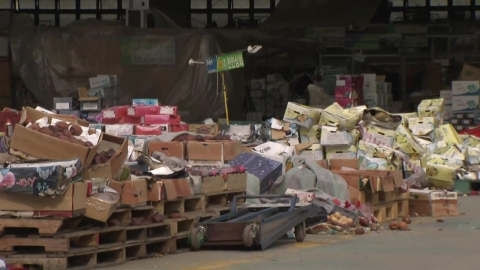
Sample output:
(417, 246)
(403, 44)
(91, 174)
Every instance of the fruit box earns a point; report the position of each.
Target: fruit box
(114, 164)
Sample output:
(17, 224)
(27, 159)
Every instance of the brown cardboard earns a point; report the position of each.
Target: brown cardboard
(33, 115)
(205, 151)
(115, 163)
(182, 187)
(98, 209)
(171, 149)
(169, 188)
(213, 184)
(27, 141)
(380, 78)
(322, 164)
(132, 192)
(337, 164)
(231, 149)
(237, 181)
(155, 191)
(83, 95)
(469, 73)
(204, 129)
(354, 195)
(378, 180)
(247, 149)
(302, 146)
(73, 200)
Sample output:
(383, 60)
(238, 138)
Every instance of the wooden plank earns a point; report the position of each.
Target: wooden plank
(135, 251)
(45, 227)
(156, 247)
(222, 198)
(110, 257)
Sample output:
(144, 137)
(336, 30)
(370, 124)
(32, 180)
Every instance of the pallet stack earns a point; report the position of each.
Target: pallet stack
(386, 206)
(81, 243)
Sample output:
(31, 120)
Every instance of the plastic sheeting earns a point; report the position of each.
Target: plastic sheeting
(56, 61)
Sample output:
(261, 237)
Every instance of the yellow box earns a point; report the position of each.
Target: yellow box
(441, 170)
(405, 141)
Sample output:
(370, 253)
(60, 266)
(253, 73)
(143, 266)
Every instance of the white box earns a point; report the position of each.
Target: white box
(100, 81)
(448, 112)
(275, 151)
(369, 82)
(139, 4)
(447, 96)
(332, 137)
(460, 88)
(465, 103)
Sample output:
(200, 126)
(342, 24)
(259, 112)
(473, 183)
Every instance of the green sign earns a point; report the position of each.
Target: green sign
(230, 61)
(148, 50)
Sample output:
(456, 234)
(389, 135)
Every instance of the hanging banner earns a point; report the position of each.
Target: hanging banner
(225, 62)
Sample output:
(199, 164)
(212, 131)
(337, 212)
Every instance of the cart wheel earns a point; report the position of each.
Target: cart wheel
(195, 238)
(249, 234)
(300, 232)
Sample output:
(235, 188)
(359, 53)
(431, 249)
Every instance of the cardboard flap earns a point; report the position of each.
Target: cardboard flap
(337, 164)
(33, 115)
(302, 146)
(208, 151)
(120, 145)
(83, 95)
(169, 188)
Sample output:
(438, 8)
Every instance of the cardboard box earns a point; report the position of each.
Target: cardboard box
(465, 103)
(161, 190)
(266, 170)
(231, 149)
(447, 96)
(337, 164)
(312, 151)
(101, 206)
(169, 110)
(143, 110)
(179, 128)
(27, 141)
(341, 152)
(71, 204)
(335, 115)
(145, 130)
(205, 153)
(433, 203)
(181, 186)
(65, 103)
(204, 129)
(115, 112)
(277, 152)
(465, 88)
(172, 149)
(378, 180)
(332, 137)
(115, 163)
(119, 130)
(145, 102)
(469, 73)
(301, 115)
(431, 108)
(237, 181)
(161, 119)
(88, 103)
(133, 192)
(100, 81)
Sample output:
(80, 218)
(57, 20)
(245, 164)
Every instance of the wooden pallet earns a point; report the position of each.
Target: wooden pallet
(82, 241)
(125, 215)
(386, 212)
(377, 198)
(112, 256)
(77, 261)
(142, 233)
(155, 247)
(403, 208)
(44, 226)
(222, 199)
(180, 205)
(181, 226)
(135, 251)
(179, 244)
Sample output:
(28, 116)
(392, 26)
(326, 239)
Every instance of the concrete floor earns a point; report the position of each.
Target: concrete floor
(430, 245)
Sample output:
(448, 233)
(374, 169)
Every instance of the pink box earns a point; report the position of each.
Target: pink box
(132, 120)
(349, 90)
(161, 119)
(179, 128)
(143, 130)
(142, 110)
(112, 121)
(169, 110)
(115, 112)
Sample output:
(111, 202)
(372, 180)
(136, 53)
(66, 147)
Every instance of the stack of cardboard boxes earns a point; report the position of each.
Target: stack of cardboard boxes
(465, 104)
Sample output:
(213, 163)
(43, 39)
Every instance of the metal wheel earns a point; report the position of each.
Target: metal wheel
(195, 238)
(300, 232)
(249, 234)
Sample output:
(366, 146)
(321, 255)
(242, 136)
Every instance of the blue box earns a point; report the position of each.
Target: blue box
(145, 102)
(266, 170)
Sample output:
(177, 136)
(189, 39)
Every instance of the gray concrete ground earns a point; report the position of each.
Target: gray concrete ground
(430, 245)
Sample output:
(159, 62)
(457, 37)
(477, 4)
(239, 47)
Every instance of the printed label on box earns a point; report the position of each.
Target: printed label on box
(90, 106)
(109, 114)
(63, 106)
(167, 110)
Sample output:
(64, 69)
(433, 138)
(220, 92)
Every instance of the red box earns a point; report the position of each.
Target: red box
(169, 110)
(179, 128)
(132, 120)
(143, 130)
(112, 121)
(161, 119)
(116, 112)
(143, 110)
